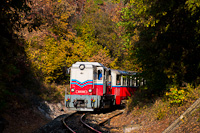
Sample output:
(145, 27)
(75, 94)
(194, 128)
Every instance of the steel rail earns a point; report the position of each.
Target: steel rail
(91, 128)
(85, 124)
(66, 123)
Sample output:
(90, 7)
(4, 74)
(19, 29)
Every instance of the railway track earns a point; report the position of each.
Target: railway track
(78, 122)
(102, 121)
(75, 124)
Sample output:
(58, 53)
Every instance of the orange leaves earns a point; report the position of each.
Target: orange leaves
(103, 57)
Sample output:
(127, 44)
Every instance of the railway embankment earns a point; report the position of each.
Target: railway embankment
(55, 125)
(41, 117)
(160, 115)
(27, 111)
(185, 117)
(191, 117)
(150, 116)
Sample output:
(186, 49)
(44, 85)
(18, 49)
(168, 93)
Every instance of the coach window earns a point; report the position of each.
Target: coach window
(118, 80)
(141, 82)
(145, 82)
(138, 82)
(128, 81)
(124, 81)
(134, 81)
(131, 81)
(99, 74)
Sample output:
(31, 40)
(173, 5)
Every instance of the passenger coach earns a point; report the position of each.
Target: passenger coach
(94, 86)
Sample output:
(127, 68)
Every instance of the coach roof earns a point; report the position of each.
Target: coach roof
(124, 72)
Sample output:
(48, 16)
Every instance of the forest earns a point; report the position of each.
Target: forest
(40, 39)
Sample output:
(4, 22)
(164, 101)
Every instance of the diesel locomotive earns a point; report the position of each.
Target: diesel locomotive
(94, 86)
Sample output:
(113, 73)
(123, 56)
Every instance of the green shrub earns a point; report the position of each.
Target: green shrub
(180, 95)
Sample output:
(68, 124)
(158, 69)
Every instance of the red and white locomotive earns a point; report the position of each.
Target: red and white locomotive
(92, 85)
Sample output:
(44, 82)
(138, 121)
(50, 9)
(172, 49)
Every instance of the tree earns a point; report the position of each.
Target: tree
(168, 44)
(97, 26)
(13, 62)
(51, 44)
(104, 58)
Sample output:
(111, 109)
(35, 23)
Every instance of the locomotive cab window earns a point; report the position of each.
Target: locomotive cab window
(118, 80)
(95, 74)
(99, 74)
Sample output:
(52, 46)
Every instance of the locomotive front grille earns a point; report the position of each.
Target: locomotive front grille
(80, 103)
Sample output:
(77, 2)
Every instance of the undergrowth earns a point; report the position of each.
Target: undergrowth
(53, 92)
(174, 102)
(180, 95)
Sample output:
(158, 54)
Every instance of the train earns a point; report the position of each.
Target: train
(94, 86)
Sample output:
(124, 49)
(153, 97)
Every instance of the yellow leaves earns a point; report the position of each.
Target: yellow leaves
(79, 51)
(113, 64)
(50, 58)
(64, 17)
(63, 25)
(192, 6)
(180, 95)
(167, 27)
(173, 89)
(164, 13)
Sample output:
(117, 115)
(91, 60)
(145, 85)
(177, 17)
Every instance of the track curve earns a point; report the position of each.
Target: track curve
(91, 128)
(75, 124)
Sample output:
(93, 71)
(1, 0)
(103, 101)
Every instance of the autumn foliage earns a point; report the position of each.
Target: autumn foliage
(158, 38)
(71, 31)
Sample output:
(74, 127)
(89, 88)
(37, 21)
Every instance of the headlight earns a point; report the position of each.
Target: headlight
(90, 90)
(82, 66)
(72, 89)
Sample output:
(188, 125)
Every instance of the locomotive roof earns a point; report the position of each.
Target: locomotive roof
(90, 63)
(101, 65)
